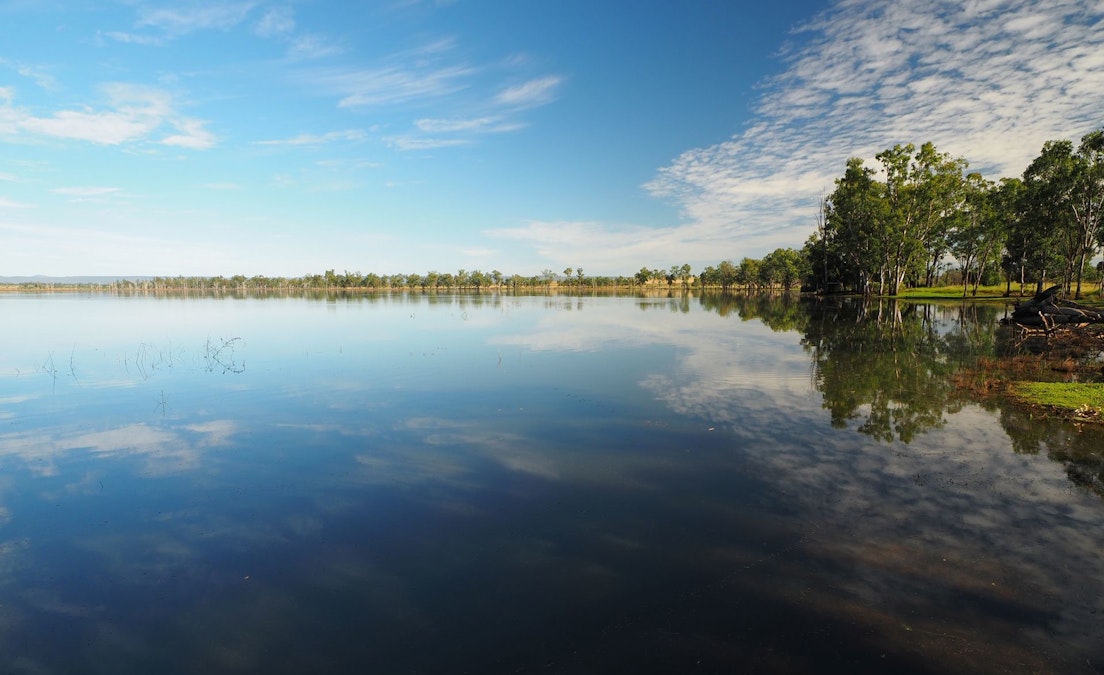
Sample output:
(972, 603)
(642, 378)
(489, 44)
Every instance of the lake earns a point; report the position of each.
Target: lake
(493, 483)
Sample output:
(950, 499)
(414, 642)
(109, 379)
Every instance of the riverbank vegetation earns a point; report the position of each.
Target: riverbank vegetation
(919, 217)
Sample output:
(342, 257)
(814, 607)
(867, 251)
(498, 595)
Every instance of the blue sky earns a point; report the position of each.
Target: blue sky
(286, 138)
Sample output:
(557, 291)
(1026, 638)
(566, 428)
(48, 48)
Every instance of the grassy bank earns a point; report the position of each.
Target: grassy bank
(1082, 401)
(1090, 293)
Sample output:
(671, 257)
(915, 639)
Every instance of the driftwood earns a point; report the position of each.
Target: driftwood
(1047, 311)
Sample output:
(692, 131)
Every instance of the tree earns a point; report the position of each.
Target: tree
(853, 216)
(1046, 226)
(1087, 198)
(921, 191)
(783, 266)
(978, 230)
(727, 274)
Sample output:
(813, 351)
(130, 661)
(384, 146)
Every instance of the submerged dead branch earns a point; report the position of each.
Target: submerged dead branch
(221, 356)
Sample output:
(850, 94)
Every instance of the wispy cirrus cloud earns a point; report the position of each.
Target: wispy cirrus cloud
(990, 81)
(6, 203)
(180, 20)
(86, 191)
(424, 142)
(40, 75)
(132, 38)
(275, 21)
(350, 135)
(129, 114)
(535, 92)
(470, 125)
(310, 46)
(393, 84)
(432, 74)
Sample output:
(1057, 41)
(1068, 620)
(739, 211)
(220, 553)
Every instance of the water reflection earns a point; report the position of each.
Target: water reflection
(495, 484)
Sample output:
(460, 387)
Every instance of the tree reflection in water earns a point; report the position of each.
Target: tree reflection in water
(887, 368)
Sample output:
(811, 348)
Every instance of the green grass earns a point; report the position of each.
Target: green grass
(1089, 292)
(1075, 396)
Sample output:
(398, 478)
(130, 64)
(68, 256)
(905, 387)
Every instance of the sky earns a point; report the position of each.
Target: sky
(287, 138)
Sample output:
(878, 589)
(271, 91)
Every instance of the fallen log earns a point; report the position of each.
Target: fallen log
(1047, 311)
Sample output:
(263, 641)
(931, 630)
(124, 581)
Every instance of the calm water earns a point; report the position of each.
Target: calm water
(531, 484)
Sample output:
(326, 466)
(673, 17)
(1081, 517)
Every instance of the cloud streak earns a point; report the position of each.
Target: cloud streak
(988, 81)
(131, 114)
(347, 135)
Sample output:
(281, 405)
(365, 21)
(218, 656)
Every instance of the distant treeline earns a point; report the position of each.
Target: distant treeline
(919, 219)
(778, 270)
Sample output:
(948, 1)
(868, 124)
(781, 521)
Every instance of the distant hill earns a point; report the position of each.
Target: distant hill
(41, 279)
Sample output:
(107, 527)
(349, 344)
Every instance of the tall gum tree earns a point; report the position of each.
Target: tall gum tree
(1064, 195)
(922, 192)
(853, 217)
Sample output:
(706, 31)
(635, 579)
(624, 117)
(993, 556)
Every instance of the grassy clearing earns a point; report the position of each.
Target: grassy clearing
(1066, 395)
(955, 292)
(1090, 293)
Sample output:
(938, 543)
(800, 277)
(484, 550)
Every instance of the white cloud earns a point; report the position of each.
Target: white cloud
(276, 21)
(6, 203)
(435, 126)
(85, 191)
(134, 38)
(467, 125)
(192, 135)
(312, 47)
(987, 81)
(390, 85)
(202, 16)
(131, 114)
(423, 143)
(530, 94)
(350, 135)
(39, 74)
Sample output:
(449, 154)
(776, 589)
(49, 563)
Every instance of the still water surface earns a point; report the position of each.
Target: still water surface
(413, 484)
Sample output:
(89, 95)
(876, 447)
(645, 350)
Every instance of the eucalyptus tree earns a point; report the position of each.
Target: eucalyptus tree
(684, 273)
(922, 192)
(1047, 231)
(1087, 198)
(746, 274)
(783, 266)
(708, 276)
(727, 274)
(853, 216)
(977, 232)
